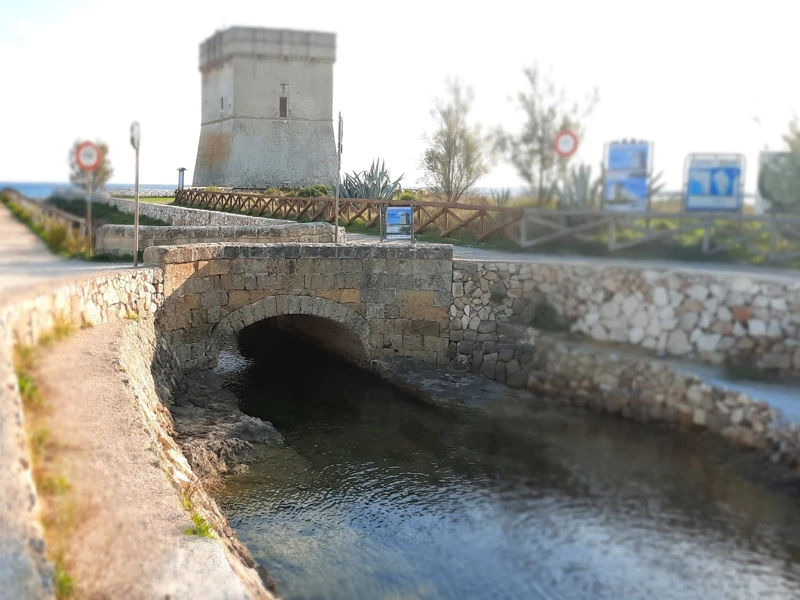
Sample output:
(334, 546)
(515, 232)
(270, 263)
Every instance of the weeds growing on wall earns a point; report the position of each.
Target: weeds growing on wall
(200, 527)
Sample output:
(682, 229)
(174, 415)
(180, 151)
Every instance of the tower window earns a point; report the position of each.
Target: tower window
(221, 103)
(284, 101)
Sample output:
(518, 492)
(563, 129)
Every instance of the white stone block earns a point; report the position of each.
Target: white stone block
(636, 335)
(660, 297)
(757, 327)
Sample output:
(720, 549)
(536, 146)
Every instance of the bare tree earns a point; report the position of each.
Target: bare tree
(90, 181)
(454, 160)
(547, 113)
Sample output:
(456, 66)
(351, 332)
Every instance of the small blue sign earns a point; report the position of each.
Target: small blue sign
(714, 183)
(399, 223)
(627, 176)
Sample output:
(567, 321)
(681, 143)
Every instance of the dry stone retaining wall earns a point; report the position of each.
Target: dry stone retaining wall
(395, 298)
(717, 318)
(187, 217)
(117, 240)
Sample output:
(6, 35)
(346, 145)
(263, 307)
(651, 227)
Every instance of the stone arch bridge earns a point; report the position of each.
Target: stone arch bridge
(362, 301)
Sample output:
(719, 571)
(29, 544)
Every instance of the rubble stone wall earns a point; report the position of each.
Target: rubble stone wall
(717, 318)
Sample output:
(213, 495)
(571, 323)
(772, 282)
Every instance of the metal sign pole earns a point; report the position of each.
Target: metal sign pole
(136, 136)
(89, 212)
(338, 178)
(136, 216)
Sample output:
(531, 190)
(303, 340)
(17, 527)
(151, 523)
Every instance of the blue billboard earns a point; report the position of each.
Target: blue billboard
(714, 183)
(627, 176)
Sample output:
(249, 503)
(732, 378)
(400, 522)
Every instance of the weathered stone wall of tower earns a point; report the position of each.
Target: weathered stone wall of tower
(245, 141)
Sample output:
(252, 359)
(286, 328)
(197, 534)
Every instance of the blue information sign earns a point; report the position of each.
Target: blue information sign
(399, 223)
(713, 183)
(627, 176)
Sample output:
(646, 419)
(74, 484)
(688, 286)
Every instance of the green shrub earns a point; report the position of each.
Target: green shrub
(546, 318)
(309, 192)
(407, 196)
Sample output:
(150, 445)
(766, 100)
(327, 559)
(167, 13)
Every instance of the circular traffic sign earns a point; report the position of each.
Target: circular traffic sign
(88, 156)
(136, 135)
(566, 143)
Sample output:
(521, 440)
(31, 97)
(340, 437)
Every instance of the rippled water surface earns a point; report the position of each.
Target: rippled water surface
(376, 497)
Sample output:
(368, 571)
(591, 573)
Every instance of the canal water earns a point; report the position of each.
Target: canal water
(375, 496)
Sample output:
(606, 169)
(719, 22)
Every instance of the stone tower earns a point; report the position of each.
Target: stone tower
(267, 114)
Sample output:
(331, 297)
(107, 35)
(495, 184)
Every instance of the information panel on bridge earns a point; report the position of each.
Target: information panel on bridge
(399, 223)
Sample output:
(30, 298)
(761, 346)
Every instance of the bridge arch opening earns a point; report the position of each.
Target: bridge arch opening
(274, 327)
(278, 340)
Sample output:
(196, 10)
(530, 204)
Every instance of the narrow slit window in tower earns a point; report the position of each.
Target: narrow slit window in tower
(284, 101)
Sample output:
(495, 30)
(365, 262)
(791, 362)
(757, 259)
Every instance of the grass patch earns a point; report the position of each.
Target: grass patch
(64, 583)
(117, 258)
(55, 485)
(132, 316)
(546, 318)
(102, 214)
(163, 200)
(200, 527)
(61, 330)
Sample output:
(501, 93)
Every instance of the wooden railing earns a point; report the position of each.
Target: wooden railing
(47, 216)
(745, 238)
(480, 221)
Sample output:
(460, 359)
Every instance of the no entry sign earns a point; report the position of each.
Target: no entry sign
(566, 143)
(88, 156)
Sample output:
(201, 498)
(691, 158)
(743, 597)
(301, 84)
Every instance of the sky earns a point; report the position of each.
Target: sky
(688, 75)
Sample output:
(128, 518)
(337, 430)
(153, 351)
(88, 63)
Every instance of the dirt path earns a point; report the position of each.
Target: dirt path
(24, 259)
(127, 539)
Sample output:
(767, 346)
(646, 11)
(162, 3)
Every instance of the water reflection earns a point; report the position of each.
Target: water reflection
(374, 496)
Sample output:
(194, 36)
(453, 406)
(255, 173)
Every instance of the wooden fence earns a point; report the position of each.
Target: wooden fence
(754, 238)
(480, 220)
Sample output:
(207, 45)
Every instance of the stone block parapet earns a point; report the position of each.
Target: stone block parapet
(117, 240)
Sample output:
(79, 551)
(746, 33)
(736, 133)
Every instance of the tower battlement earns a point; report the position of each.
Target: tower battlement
(267, 43)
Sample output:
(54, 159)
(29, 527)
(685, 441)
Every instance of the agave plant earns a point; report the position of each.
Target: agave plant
(374, 184)
(578, 190)
(501, 197)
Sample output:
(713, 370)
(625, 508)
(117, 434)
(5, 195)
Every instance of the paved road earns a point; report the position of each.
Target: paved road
(25, 260)
(467, 253)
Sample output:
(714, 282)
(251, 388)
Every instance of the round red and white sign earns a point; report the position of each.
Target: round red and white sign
(88, 156)
(566, 143)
